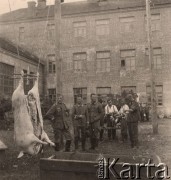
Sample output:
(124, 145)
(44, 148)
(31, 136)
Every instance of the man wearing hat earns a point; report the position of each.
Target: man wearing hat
(132, 120)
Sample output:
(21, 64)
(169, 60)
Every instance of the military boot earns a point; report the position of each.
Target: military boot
(57, 147)
(67, 146)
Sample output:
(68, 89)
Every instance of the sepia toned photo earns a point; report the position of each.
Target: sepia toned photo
(85, 89)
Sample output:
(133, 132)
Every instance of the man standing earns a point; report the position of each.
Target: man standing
(95, 114)
(103, 103)
(60, 124)
(110, 112)
(124, 110)
(80, 121)
(132, 120)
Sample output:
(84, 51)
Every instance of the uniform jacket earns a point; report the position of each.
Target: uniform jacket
(61, 116)
(95, 112)
(134, 116)
(80, 110)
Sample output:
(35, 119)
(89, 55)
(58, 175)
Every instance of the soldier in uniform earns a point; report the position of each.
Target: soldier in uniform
(80, 122)
(95, 114)
(132, 120)
(102, 120)
(60, 124)
(123, 112)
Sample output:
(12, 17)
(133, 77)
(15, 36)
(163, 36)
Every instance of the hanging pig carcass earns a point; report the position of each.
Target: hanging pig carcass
(29, 134)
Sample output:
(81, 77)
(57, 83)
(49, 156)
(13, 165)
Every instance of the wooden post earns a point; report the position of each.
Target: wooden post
(153, 92)
(57, 46)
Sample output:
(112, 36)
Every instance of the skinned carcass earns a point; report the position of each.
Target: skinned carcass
(29, 135)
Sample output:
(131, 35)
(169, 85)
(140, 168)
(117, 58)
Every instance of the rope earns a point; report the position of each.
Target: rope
(44, 34)
(13, 26)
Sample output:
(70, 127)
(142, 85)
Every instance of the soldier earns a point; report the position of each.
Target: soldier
(110, 112)
(60, 124)
(103, 103)
(80, 121)
(132, 120)
(124, 110)
(95, 114)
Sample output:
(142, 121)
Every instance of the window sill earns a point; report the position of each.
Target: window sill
(78, 72)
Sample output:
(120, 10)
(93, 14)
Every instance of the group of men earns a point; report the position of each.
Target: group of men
(90, 121)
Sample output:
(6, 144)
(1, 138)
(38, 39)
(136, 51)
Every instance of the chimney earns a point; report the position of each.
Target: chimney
(41, 4)
(31, 4)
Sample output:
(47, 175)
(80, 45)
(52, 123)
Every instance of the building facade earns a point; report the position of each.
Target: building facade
(104, 47)
(11, 65)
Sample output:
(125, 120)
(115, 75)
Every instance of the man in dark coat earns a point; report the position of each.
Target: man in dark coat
(95, 112)
(132, 120)
(103, 103)
(60, 124)
(80, 121)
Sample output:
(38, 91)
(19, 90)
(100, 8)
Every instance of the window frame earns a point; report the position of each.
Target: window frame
(81, 92)
(101, 26)
(77, 27)
(51, 64)
(158, 94)
(52, 96)
(128, 59)
(103, 62)
(6, 82)
(79, 61)
(157, 66)
(21, 34)
(127, 26)
(51, 32)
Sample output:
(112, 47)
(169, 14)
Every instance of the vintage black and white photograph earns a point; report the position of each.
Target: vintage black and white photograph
(85, 89)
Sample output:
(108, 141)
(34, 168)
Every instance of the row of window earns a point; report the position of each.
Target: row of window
(102, 27)
(7, 80)
(107, 90)
(103, 60)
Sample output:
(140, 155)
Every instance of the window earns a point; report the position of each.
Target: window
(103, 61)
(28, 83)
(82, 92)
(51, 63)
(79, 62)
(6, 80)
(155, 22)
(128, 89)
(102, 27)
(128, 59)
(52, 94)
(80, 29)
(159, 94)
(157, 57)
(127, 24)
(51, 32)
(21, 34)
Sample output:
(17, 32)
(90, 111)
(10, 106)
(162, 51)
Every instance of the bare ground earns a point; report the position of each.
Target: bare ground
(27, 168)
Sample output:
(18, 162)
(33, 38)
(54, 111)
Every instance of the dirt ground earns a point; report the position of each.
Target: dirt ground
(27, 167)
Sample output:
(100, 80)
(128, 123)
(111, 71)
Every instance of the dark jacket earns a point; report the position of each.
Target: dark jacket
(76, 112)
(61, 116)
(95, 112)
(134, 116)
